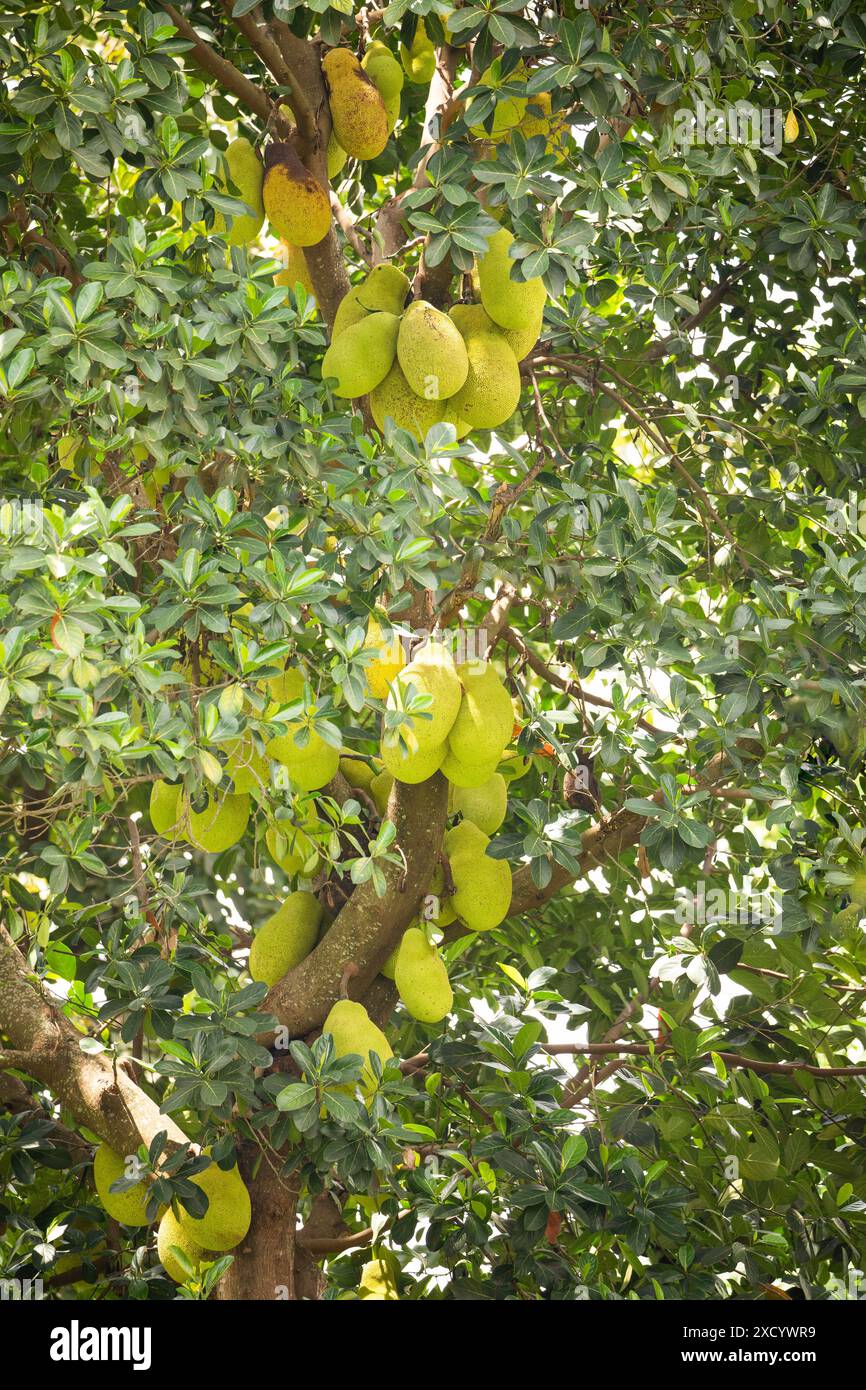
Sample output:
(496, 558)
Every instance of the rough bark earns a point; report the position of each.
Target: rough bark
(264, 1262)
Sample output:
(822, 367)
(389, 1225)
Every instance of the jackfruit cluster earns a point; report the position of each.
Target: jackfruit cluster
(530, 116)
(420, 366)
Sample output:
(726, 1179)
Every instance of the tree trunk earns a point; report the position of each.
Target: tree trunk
(268, 1264)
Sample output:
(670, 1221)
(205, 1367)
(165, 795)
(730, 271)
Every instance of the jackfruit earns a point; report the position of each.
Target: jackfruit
(377, 1282)
(508, 111)
(485, 721)
(243, 168)
(419, 57)
(462, 774)
(510, 303)
(300, 854)
(492, 389)
(246, 766)
(285, 688)
(286, 938)
(394, 399)
(485, 806)
(465, 838)
(389, 661)
(422, 978)
(792, 128)
(414, 768)
(380, 790)
(357, 109)
(221, 824)
(540, 120)
(362, 355)
(431, 672)
(392, 111)
(309, 767)
(470, 318)
(384, 289)
(482, 888)
(167, 810)
(227, 1219)
(349, 312)
(382, 68)
(336, 157)
(514, 765)
(295, 202)
(170, 1232)
(296, 271)
(431, 352)
(353, 1031)
(126, 1207)
(358, 773)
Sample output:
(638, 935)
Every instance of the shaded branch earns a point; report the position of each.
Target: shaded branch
(225, 73)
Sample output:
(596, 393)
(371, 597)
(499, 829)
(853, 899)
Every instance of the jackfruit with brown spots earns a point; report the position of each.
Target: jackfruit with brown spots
(357, 109)
(295, 202)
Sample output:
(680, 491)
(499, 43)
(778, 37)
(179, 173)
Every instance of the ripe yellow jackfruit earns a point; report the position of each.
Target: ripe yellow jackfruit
(431, 672)
(227, 1219)
(389, 661)
(126, 1207)
(246, 766)
(484, 723)
(462, 774)
(353, 1031)
(221, 824)
(792, 128)
(394, 399)
(170, 1232)
(244, 169)
(470, 318)
(377, 1282)
(540, 120)
(285, 688)
(362, 355)
(419, 57)
(357, 109)
(382, 68)
(422, 979)
(295, 202)
(286, 938)
(431, 352)
(167, 810)
(485, 806)
(492, 390)
(296, 271)
(510, 303)
(291, 847)
(414, 767)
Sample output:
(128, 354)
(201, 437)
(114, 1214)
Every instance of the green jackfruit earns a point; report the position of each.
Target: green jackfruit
(167, 810)
(465, 838)
(431, 672)
(221, 824)
(126, 1207)
(382, 68)
(431, 352)
(246, 766)
(377, 1282)
(485, 806)
(380, 790)
(295, 202)
(286, 938)
(484, 723)
(414, 768)
(389, 660)
(336, 157)
(462, 774)
(384, 289)
(244, 169)
(475, 318)
(422, 979)
(363, 355)
(357, 772)
(171, 1233)
(357, 109)
(353, 1031)
(309, 767)
(296, 271)
(394, 399)
(492, 390)
(514, 304)
(227, 1219)
(419, 57)
(291, 847)
(482, 887)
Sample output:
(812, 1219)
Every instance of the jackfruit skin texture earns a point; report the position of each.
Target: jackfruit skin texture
(422, 978)
(492, 390)
(431, 352)
(353, 1031)
(245, 171)
(126, 1207)
(302, 855)
(384, 290)
(482, 888)
(470, 318)
(170, 1232)
(296, 271)
(486, 806)
(309, 767)
(510, 303)
(227, 1219)
(419, 57)
(432, 672)
(362, 356)
(221, 824)
(335, 156)
(357, 109)
(389, 662)
(286, 938)
(462, 774)
(485, 720)
(466, 837)
(383, 70)
(295, 202)
(394, 399)
(166, 809)
(414, 768)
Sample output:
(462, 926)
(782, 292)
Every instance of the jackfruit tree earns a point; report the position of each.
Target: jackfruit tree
(433, 547)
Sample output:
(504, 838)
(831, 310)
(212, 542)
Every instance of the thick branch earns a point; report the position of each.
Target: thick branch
(225, 73)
